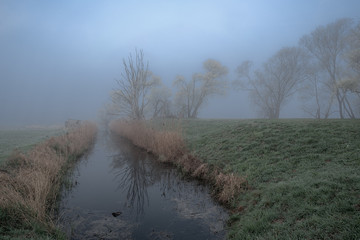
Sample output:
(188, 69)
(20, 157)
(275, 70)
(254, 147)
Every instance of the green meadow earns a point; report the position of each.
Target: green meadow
(303, 175)
(23, 139)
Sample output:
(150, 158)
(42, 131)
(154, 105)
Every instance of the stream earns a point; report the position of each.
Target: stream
(121, 192)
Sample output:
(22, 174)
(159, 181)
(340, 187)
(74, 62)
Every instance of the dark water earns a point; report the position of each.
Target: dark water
(121, 192)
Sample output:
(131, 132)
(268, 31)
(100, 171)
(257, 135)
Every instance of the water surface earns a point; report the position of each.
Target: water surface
(122, 192)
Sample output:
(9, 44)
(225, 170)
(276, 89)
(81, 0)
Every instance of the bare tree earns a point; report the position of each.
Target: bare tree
(272, 86)
(354, 53)
(160, 102)
(353, 60)
(193, 94)
(131, 96)
(328, 45)
(352, 82)
(316, 97)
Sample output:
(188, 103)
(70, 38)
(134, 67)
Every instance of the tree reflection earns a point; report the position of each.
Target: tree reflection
(134, 173)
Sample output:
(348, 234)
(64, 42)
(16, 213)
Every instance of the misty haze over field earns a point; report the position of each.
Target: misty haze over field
(59, 59)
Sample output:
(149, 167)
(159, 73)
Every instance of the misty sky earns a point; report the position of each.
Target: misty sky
(59, 59)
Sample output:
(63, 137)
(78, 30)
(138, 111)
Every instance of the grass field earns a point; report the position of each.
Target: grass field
(304, 175)
(23, 139)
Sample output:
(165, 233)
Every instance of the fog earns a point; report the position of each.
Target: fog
(59, 59)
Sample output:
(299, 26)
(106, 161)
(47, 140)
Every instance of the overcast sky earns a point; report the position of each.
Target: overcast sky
(59, 59)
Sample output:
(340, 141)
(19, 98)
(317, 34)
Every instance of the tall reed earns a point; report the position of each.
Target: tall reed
(30, 184)
(167, 144)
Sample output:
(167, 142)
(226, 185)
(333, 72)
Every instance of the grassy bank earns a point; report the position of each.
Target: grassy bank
(303, 175)
(30, 184)
(165, 140)
(23, 139)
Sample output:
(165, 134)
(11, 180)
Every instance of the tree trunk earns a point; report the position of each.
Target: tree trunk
(339, 98)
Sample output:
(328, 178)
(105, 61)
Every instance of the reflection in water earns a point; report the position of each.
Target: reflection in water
(133, 176)
(151, 199)
(135, 171)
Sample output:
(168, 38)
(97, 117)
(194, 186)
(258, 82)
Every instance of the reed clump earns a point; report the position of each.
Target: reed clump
(30, 183)
(231, 185)
(167, 143)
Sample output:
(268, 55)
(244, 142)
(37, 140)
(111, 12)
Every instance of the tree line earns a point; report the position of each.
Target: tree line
(323, 70)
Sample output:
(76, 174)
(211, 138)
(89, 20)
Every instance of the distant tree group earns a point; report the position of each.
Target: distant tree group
(328, 45)
(325, 69)
(140, 93)
(271, 86)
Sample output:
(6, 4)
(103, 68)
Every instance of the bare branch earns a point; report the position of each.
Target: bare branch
(133, 86)
(193, 94)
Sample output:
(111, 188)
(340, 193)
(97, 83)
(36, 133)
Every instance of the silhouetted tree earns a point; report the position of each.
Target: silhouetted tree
(272, 86)
(193, 94)
(131, 96)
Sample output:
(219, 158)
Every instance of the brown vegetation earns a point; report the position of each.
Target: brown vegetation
(168, 144)
(29, 184)
(230, 185)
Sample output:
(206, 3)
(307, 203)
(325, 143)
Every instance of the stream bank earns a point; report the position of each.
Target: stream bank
(122, 192)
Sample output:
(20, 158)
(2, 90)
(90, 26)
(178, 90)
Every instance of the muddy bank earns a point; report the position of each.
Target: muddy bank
(122, 192)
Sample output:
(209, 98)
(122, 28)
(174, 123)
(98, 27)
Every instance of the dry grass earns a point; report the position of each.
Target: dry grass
(231, 186)
(30, 183)
(167, 143)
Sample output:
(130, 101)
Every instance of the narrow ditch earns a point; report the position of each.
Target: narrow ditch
(121, 192)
